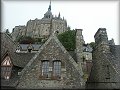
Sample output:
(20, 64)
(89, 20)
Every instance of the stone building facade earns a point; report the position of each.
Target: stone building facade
(41, 28)
(51, 52)
(51, 66)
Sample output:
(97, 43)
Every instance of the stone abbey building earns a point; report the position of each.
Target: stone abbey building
(51, 66)
(41, 28)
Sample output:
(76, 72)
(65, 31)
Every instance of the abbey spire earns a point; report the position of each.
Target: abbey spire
(49, 9)
(48, 14)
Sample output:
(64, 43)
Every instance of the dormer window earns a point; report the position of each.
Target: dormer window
(6, 68)
(30, 48)
(18, 49)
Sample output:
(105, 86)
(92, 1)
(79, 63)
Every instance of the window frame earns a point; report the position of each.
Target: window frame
(45, 68)
(51, 67)
(57, 70)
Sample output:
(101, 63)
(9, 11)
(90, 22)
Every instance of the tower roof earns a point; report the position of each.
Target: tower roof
(49, 9)
(48, 14)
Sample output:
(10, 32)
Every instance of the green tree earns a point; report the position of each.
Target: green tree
(92, 44)
(68, 28)
(68, 39)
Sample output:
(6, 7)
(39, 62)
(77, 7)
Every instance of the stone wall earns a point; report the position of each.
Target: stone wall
(40, 28)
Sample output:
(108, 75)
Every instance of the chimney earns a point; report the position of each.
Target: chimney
(101, 40)
(79, 45)
(79, 49)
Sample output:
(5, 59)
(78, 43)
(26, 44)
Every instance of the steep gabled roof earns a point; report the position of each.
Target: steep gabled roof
(6, 54)
(99, 74)
(21, 59)
(51, 50)
(53, 36)
(7, 45)
(115, 51)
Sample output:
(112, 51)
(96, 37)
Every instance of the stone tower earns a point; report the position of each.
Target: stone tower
(104, 73)
(48, 14)
(79, 47)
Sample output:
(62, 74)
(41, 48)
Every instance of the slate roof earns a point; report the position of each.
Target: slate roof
(113, 58)
(7, 45)
(115, 51)
(35, 46)
(13, 81)
(18, 59)
(73, 54)
(21, 59)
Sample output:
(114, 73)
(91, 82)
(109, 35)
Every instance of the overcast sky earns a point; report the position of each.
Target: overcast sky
(86, 15)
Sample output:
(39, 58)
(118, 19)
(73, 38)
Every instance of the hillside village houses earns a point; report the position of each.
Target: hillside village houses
(51, 66)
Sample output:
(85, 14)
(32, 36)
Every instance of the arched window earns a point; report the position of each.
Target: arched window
(57, 69)
(6, 68)
(45, 69)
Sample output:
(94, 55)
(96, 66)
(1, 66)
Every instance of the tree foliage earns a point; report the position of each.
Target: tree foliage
(25, 40)
(92, 44)
(68, 39)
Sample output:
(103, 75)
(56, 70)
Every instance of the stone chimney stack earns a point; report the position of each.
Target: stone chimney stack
(101, 40)
(79, 46)
(79, 49)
